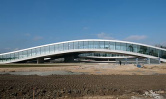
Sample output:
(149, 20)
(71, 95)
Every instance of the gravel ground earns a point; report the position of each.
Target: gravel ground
(81, 86)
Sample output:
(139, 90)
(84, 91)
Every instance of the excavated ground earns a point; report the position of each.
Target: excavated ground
(80, 86)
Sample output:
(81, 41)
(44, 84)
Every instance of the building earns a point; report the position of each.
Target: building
(88, 49)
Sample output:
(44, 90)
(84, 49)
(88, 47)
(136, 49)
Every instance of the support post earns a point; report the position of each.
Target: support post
(40, 60)
(148, 60)
(136, 61)
(126, 61)
(159, 60)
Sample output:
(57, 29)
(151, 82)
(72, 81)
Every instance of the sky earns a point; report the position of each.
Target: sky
(29, 23)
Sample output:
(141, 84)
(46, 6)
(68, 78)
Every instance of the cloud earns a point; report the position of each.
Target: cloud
(7, 48)
(135, 37)
(27, 34)
(103, 35)
(85, 28)
(32, 37)
(37, 38)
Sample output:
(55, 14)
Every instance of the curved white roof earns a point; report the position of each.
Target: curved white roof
(87, 40)
(86, 50)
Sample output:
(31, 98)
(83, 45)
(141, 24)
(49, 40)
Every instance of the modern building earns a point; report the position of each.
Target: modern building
(88, 49)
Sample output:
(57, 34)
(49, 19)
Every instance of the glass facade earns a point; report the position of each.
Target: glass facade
(101, 55)
(73, 45)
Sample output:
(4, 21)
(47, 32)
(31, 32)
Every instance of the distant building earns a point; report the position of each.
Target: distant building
(89, 50)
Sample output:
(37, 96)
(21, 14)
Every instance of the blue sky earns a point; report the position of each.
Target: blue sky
(29, 23)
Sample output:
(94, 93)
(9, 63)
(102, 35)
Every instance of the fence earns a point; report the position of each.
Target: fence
(139, 61)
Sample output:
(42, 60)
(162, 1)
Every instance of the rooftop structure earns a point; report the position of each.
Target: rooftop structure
(71, 49)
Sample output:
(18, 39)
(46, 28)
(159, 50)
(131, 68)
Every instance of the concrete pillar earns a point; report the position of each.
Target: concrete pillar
(126, 61)
(148, 60)
(159, 60)
(40, 60)
(116, 60)
(136, 61)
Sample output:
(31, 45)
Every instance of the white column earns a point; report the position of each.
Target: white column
(136, 61)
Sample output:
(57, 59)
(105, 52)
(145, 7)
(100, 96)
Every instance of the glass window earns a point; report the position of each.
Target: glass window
(38, 51)
(34, 52)
(52, 49)
(8, 58)
(156, 52)
(112, 45)
(96, 44)
(12, 56)
(17, 55)
(81, 45)
(20, 55)
(60, 47)
(0, 58)
(91, 45)
(108, 55)
(151, 51)
(42, 50)
(24, 54)
(123, 46)
(135, 48)
(75, 45)
(56, 47)
(106, 45)
(163, 54)
(138, 49)
(101, 44)
(86, 45)
(96, 54)
(3, 58)
(66, 46)
(117, 46)
(47, 49)
(71, 45)
(143, 50)
(130, 47)
(159, 53)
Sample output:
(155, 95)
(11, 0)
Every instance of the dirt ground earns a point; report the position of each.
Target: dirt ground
(81, 86)
(98, 69)
(100, 81)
